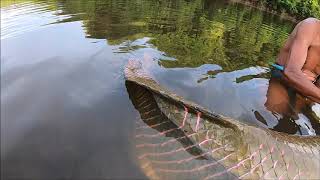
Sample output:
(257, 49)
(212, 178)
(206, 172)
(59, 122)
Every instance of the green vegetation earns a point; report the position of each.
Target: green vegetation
(232, 36)
(5, 3)
(298, 8)
(197, 32)
(194, 33)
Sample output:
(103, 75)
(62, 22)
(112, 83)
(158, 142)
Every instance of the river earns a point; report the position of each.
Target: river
(65, 109)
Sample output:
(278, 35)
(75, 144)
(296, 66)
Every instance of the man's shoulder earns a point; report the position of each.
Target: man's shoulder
(310, 24)
(311, 19)
(309, 27)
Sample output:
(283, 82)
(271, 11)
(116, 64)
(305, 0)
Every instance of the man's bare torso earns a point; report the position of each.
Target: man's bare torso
(312, 64)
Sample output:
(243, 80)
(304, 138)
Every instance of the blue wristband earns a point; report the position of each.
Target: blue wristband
(278, 67)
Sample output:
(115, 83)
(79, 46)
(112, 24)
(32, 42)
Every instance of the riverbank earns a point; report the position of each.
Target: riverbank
(288, 9)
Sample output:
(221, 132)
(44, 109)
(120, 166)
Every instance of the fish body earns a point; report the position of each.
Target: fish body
(191, 142)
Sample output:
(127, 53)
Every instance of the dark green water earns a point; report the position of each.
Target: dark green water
(65, 110)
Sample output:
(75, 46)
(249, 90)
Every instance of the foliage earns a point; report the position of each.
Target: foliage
(299, 8)
(196, 32)
(234, 37)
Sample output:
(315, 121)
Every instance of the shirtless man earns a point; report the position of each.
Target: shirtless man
(300, 58)
(297, 68)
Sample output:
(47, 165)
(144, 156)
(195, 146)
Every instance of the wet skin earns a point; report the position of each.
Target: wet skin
(301, 58)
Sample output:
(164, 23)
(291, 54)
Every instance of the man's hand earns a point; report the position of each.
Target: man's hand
(316, 93)
(318, 83)
(309, 74)
(314, 99)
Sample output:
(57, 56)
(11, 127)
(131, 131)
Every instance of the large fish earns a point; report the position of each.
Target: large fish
(179, 139)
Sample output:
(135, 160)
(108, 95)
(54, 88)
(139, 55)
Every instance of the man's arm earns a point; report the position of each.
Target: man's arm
(296, 61)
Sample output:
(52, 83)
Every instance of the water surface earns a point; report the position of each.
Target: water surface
(65, 110)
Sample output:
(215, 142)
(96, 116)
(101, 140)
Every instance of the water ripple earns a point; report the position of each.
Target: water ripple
(20, 18)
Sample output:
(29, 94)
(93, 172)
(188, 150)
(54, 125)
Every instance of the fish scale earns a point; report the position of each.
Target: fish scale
(244, 151)
(165, 159)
